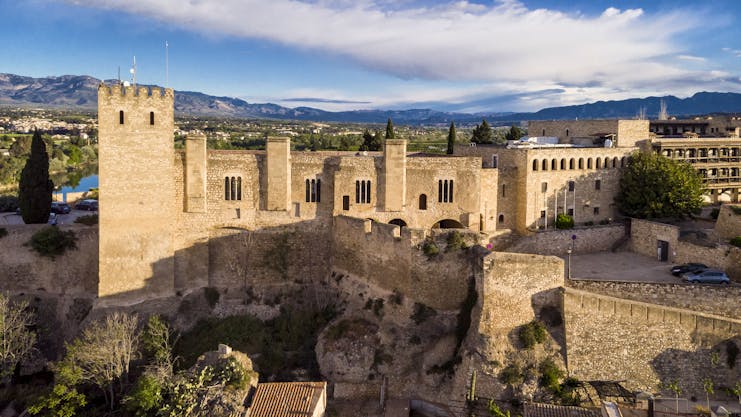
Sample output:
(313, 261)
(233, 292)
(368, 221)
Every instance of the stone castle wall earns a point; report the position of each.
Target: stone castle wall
(73, 273)
(710, 299)
(557, 242)
(728, 224)
(644, 344)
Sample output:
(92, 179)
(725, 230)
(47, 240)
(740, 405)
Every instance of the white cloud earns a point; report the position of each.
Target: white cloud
(505, 46)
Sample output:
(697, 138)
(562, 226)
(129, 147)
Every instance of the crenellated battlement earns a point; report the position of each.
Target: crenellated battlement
(118, 91)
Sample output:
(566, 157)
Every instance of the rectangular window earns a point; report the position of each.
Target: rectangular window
(494, 161)
(345, 202)
(445, 191)
(598, 185)
(571, 185)
(238, 213)
(504, 190)
(362, 192)
(571, 212)
(543, 186)
(596, 211)
(542, 214)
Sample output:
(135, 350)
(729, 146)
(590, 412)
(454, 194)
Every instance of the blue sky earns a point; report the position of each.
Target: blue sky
(355, 54)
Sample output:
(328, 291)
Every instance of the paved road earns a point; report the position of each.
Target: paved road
(12, 218)
(621, 266)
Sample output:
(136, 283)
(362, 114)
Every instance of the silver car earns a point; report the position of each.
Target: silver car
(708, 276)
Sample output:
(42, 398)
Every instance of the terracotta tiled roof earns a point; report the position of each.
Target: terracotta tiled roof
(550, 410)
(287, 399)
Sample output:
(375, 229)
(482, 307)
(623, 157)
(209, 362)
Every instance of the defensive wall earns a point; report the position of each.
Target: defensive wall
(645, 344)
(23, 270)
(645, 236)
(556, 242)
(393, 259)
(728, 224)
(711, 299)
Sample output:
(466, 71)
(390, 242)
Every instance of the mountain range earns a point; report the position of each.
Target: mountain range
(80, 92)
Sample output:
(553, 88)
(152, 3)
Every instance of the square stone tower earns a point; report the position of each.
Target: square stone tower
(137, 193)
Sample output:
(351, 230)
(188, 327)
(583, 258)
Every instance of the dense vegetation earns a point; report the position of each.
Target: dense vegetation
(35, 187)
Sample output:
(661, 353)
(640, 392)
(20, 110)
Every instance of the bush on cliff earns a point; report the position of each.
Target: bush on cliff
(532, 333)
(52, 241)
(430, 249)
(736, 241)
(3, 232)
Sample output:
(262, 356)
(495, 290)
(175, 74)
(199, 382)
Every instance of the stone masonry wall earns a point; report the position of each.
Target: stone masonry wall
(556, 242)
(728, 224)
(73, 273)
(711, 299)
(644, 344)
(390, 257)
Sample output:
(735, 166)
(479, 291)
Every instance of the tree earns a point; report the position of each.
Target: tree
(157, 343)
(371, 142)
(451, 138)
(707, 385)
(654, 186)
(16, 339)
(514, 133)
(389, 129)
(674, 387)
(64, 400)
(103, 352)
(482, 133)
(35, 187)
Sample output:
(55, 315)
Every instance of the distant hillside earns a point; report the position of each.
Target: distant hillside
(80, 91)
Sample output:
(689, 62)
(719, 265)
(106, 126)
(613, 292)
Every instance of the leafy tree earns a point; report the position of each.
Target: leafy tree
(371, 142)
(707, 386)
(16, 339)
(389, 129)
(451, 138)
(103, 352)
(75, 155)
(656, 186)
(482, 133)
(21, 147)
(514, 133)
(674, 387)
(157, 342)
(35, 186)
(64, 400)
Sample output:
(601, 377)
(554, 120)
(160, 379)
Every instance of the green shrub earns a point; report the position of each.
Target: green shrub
(714, 213)
(736, 209)
(88, 220)
(3, 232)
(146, 396)
(52, 241)
(550, 374)
(8, 203)
(511, 374)
(532, 333)
(455, 241)
(232, 373)
(430, 249)
(564, 221)
(212, 296)
(422, 312)
(736, 241)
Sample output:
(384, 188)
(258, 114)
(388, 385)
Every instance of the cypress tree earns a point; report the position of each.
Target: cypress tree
(389, 129)
(451, 138)
(35, 187)
(482, 133)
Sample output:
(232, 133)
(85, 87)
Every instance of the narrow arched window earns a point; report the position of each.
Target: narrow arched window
(535, 165)
(440, 191)
(450, 192)
(567, 132)
(501, 218)
(120, 117)
(357, 192)
(554, 165)
(151, 118)
(581, 163)
(239, 188)
(234, 188)
(367, 192)
(614, 162)
(544, 165)
(226, 188)
(589, 163)
(571, 163)
(563, 164)
(598, 163)
(318, 191)
(445, 190)
(423, 201)
(308, 191)
(313, 190)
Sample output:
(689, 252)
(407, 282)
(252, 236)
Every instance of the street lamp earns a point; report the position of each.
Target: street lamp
(568, 264)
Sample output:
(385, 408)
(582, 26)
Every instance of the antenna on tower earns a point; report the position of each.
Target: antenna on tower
(167, 67)
(133, 73)
(119, 74)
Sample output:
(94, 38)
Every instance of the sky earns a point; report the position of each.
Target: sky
(463, 56)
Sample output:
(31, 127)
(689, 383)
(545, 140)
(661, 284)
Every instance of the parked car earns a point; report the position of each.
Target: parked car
(89, 205)
(708, 276)
(60, 208)
(678, 270)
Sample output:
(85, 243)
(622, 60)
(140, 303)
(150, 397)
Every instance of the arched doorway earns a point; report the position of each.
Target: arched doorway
(448, 224)
(398, 222)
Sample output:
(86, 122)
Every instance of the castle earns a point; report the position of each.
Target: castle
(158, 202)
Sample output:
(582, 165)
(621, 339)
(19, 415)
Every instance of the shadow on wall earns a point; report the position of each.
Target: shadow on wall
(720, 364)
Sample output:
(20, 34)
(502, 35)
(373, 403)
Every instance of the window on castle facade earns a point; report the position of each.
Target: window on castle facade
(598, 184)
(445, 191)
(596, 211)
(151, 118)
(233, 188)
(362, 192)
(571, 212)
(543, 186)
(121, 117)
(423, 201)
(571, 185)
(504, 190)
(314, 191)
